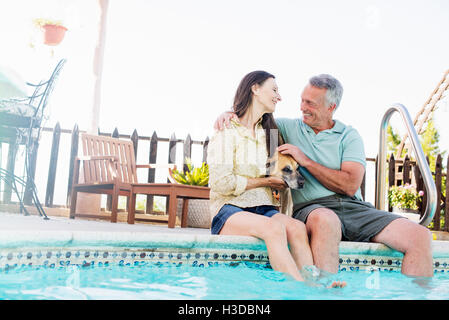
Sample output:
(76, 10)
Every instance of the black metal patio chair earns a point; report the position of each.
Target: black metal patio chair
(20, 124)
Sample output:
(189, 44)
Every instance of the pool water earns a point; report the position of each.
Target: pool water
(243, 281)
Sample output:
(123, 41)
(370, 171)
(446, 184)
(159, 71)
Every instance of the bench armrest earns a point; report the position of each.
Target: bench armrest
(157, 165)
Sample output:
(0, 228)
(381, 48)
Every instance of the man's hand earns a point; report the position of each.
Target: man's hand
(224, 120)
(295, 152)
(347, 180)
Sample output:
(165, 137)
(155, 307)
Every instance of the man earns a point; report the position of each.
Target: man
(332, 160)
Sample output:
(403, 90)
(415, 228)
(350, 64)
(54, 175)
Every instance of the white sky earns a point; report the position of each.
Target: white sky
(190, 56)
(173, 66)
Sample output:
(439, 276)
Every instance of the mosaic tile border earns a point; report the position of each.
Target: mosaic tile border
(384, 263)
(60, 257)
(85, 257)
(372, 263)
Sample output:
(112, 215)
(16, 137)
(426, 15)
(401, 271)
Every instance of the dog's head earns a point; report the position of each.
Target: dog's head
(286, 168)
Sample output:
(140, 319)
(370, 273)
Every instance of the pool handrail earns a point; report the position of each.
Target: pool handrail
(421, 161)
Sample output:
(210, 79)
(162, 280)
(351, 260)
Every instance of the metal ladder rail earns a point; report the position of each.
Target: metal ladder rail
(431, 190)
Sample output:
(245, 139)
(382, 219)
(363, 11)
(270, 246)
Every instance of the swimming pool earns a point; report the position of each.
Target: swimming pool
(242, 281)
(133, 265)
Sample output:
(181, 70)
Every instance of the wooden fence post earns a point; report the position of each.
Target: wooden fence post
(52, 167)
(73, 154)
(187, 151)
(446, 202)
(135, 140)
(438, 171)
(424, 198)
(406, 170)
(171, 159)
(151, 172)
(172, 150)
(114, 134)
(205, 146)
(419, 187)
(391, 176)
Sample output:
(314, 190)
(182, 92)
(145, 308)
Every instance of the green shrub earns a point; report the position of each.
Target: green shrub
(192, 176)
(404, 197)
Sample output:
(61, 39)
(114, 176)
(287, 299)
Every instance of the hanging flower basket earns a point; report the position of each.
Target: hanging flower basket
(53, 34)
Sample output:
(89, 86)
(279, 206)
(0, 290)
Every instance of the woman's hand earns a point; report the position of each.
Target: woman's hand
(272, 182)
(276, 183)
(224, 120)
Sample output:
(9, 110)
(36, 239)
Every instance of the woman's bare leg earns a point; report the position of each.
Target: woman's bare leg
(297, 239)
(272, 232)
(299, 244)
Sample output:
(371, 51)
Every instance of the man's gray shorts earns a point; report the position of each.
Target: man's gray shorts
(360, 221)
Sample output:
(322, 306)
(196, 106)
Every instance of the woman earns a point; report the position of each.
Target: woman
(242, 201)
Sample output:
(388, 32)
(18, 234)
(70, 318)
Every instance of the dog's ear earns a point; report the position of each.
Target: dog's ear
(271, 164)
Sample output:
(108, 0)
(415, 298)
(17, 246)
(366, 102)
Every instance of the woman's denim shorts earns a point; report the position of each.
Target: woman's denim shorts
(228, 210)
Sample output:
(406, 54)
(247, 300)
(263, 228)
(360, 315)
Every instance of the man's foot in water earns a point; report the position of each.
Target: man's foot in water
(320, 278)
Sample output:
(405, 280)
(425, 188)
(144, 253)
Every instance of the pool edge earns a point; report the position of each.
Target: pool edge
(21, 238)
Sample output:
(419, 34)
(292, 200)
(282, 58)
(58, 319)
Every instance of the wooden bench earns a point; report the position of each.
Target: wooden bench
(109, 167)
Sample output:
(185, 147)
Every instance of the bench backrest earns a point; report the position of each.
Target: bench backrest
(98, 170)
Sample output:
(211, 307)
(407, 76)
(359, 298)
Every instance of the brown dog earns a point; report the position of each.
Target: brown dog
(285, 167)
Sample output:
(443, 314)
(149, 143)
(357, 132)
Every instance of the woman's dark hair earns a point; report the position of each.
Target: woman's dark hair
(242, 101)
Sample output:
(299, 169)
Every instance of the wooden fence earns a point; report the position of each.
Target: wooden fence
(401, 171)
(154, 141)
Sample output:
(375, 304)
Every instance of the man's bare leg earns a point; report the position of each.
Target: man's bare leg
(324, 229)
(412, 239)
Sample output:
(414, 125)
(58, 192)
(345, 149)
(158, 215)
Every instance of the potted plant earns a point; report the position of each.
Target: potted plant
(53, 30)
(403, 200)
(198, 210)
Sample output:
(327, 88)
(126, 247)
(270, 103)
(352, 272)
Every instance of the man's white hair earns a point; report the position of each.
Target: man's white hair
(334, 88)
